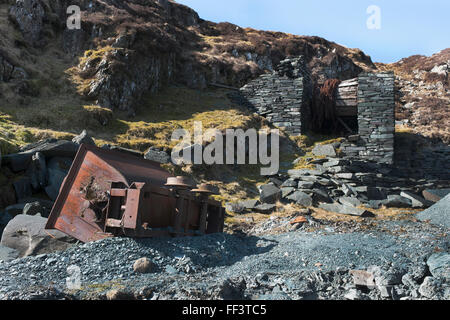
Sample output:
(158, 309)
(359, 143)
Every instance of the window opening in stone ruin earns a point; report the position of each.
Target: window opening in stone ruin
(334, 108)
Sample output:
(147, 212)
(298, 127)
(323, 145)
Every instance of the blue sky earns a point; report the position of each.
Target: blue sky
(407, 27)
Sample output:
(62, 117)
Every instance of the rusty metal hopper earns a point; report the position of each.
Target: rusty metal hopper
(108, 193)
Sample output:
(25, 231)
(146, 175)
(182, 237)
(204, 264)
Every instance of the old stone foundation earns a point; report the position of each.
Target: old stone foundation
(364, 106)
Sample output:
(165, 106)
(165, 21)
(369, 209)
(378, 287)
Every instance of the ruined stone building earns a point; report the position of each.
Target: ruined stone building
(364, 106)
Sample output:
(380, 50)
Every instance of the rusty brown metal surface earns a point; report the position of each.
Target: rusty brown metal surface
(107, 194)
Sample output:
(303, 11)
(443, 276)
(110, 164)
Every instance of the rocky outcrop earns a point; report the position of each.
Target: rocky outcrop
(422, 94)
(153, 43)
(29, 16)
(9, 71)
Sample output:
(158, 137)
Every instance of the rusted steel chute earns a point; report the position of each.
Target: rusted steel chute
(108, 193)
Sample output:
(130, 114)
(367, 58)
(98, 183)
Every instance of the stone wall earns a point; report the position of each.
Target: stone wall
(283, 97)
(376, 116)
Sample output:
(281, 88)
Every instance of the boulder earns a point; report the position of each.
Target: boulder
(439, 265)
(157, 155)
(143, 265)
(301, 198)
(83, 138)
(57, 170)
(8, 254)
(430, 288)
(437, 214)
(28, 236)
(269, 193)
(326, 150)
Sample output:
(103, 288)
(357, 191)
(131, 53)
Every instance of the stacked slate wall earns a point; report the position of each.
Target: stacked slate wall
(376, 119)
(283, 97)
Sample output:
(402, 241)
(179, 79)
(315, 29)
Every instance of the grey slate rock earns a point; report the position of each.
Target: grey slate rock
(157, 155)
(430, 288)
(320, 195)
(334, 163)
(301, 198)
(23, 188)
(49, 148)
(350, 201)
(249, 204)
(27, 235)
(83, 138)
(439, 265)
(286, 191)
(417, 201)
(5, 218)
(305, 184)
(326, 150)
(57, 170)
(265, 208)
(15, 209)
(8, 254)
(374, 193)
(269, 193)
(289, 183)
(298, 173)
(395, 201)
(234, 207)
(344, 209)
(33, 208)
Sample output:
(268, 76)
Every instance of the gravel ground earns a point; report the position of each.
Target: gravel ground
(291, 265)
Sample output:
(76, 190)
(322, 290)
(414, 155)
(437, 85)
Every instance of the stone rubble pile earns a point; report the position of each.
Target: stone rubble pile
(344, 186)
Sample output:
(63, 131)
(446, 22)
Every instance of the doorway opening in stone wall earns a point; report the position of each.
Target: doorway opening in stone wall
(334, 108)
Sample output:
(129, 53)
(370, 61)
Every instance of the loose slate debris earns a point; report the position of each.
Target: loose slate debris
(269, 193)
(437, 214)
(326, 150)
